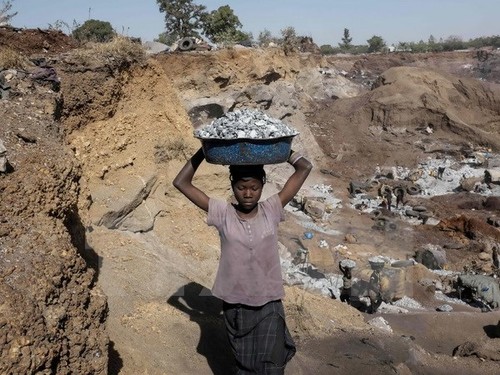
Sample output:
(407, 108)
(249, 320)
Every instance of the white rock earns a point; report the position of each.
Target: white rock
(381, 324)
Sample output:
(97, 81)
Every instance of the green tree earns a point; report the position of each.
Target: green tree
(346, 40)
(432, 44)
(290, 41)
(265, 37)
(404, 47)
(166, 39)
(5, 16)
(223, 25)
(419, 47)
(94, 31)
(183, 18)
(375, 44)
(453, 43)
(326, 49)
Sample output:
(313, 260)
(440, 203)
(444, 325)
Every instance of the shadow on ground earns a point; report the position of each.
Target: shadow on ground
(206, 310)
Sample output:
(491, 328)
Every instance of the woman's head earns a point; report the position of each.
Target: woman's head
(239, 172)
(247, 182)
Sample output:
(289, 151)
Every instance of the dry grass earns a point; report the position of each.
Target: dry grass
(10, 59)
(174, 149)
(119, 52)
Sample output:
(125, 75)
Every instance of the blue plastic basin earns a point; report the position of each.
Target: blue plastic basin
(243, 151)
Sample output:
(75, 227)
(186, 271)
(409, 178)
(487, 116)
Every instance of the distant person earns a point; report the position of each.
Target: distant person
(249, 279)
(345, 294)
(400, 196)
(388, 198)
(374, 291)
(440, 172)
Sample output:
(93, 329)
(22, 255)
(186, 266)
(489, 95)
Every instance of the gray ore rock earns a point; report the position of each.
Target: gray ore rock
(245, 124)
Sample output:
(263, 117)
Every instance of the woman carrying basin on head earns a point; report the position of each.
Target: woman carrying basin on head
(249, 277)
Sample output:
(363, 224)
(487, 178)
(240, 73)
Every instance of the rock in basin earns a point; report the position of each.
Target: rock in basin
(246, 137)
(247, 151)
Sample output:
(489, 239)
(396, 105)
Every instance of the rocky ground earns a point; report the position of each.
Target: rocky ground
(106, 268)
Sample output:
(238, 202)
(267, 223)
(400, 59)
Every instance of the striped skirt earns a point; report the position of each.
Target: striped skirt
(259, 338)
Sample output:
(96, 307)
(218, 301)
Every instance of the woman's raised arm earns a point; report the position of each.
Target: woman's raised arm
(183, 181)
(296, 180)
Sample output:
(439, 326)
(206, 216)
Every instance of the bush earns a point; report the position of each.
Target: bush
(94, 31)
(174, 149)
(327, 49)
(119, 52)
(10, 59)
(290, 41)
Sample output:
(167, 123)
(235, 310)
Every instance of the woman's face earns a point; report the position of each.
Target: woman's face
(247, 192)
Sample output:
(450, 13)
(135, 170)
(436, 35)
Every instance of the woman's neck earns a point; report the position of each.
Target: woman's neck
(246, 213)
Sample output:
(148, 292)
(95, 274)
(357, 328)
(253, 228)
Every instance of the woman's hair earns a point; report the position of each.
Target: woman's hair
(238, 172)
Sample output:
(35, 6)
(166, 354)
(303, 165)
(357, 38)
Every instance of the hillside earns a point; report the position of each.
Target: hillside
(105, 267)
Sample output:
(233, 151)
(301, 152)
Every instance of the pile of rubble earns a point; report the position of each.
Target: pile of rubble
(453, 288)
(479, 174)
(245, 124)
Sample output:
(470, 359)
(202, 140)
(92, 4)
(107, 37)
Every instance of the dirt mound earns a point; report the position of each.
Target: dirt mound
(51, 315)
(409, 108)
(36, 41)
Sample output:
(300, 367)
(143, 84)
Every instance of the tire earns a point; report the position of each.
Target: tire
(186, 44)
(413, 190)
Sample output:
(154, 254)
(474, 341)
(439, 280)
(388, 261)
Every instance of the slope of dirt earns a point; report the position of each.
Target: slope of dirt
(51, 312)
(381, 126)
(31, 42)
(129, 130)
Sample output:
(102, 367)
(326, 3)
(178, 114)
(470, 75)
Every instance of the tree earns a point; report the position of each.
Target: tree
(223, 25)
(5, 17)
(432, 44)
(265, 37)
(453, 43)
(375, 44)
(346, 40)
(290, 42)
(183, 18)
(94, 31)
(166, 39)
(326, 49)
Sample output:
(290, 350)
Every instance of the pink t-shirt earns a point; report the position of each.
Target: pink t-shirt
(249, 267)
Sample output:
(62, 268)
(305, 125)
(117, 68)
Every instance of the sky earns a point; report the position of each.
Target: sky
(323, 20)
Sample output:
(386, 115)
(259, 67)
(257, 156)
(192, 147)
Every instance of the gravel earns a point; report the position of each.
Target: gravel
(245, 124)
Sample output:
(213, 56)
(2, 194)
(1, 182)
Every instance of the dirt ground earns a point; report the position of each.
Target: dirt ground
(95, 161)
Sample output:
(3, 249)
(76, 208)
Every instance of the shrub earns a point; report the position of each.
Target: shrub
(119, 52)
(174, 149)
(10, 59)
(290, 41)
(94, 31)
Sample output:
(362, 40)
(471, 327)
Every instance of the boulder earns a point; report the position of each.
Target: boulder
(433, 257)
(314, 208)
(483, 288)
(469, 184)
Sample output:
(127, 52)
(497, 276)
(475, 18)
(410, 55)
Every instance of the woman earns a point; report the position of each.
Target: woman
(249, 277)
